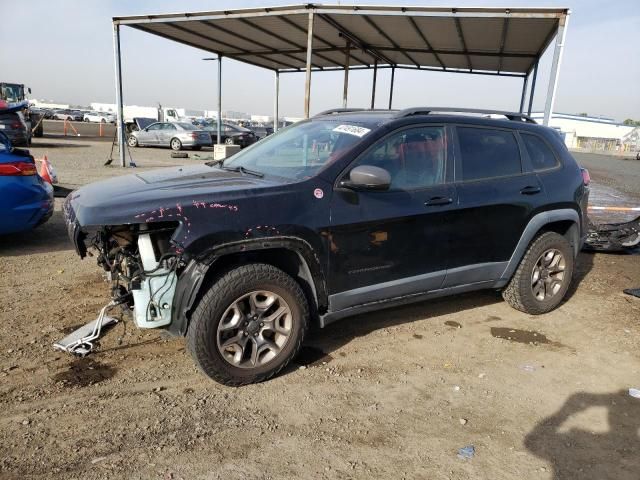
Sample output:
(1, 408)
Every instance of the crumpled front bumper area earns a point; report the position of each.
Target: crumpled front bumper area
(74, 231)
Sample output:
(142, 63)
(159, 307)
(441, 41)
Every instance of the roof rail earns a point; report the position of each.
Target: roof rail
(339, 110)
(514, 116)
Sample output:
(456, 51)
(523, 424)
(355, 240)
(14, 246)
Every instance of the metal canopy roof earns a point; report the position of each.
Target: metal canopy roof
(502, 41)
(310, 37)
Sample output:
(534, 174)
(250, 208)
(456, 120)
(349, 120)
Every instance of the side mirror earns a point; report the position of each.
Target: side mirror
(29, 90)
(368, 177)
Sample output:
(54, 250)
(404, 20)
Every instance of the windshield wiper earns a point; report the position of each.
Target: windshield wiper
(244, 170)
(213, 163)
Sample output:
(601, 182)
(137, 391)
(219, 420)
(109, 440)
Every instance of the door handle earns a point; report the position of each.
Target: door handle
(530, 190)
(435, 201)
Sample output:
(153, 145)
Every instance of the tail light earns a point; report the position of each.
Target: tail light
(15, 125)
(586, 178)
(194, 135)
(18, 169)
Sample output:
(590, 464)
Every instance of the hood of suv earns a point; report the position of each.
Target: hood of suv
(118, 200)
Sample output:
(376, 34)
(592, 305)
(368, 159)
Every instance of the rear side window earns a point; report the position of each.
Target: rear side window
(488, 153)
(539, 152)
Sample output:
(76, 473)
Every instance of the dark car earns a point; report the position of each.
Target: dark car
(231, 134)
(15, 126)
(260, 132)
(345, 213)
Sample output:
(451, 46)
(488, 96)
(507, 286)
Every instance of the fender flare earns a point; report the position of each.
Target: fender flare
(537, 222)
(191, 280)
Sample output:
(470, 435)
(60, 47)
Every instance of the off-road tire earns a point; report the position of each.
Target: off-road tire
(175, 144)
(203, 328)
(518, 292)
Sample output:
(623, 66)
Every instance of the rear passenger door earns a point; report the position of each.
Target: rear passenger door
(498, 194)
(166, 133)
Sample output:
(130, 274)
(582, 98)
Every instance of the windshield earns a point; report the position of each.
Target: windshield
(11, 92)
(300, 151)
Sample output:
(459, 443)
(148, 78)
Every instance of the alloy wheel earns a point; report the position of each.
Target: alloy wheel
(548, 274)
(254, 329)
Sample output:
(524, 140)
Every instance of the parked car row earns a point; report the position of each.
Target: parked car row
(179, 135)
(75, 115)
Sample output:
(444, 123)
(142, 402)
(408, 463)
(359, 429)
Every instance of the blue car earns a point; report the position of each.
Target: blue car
(26, 200)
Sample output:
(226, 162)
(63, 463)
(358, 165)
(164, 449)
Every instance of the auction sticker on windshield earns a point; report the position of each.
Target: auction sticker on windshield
(352, 130)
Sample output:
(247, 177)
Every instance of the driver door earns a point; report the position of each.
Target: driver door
(393, 243)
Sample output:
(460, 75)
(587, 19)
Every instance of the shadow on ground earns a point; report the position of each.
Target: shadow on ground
(50, 237)
(611, 452)
(322, 342)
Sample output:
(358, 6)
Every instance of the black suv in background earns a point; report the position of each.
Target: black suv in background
(345, 213)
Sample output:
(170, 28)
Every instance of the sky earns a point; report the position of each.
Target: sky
(63, 50)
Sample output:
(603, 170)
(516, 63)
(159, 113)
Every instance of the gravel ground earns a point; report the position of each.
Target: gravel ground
(395, 393)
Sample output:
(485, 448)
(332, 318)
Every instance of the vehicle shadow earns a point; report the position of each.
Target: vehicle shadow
(583, 265)
(37, 143)
(50, 237)
(587, 452)
(344, 331)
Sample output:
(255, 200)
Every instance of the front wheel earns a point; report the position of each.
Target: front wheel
(176, 144)
(132, 141)
(248, 325)
(543, 276)
(229, 141)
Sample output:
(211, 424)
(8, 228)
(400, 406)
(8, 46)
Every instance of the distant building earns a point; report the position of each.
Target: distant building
(591, 133)
(46, 104)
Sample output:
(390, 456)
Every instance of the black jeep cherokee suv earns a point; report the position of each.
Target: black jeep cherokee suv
(348, 212)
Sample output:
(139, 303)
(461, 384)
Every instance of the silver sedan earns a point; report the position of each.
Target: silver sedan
(174, 135)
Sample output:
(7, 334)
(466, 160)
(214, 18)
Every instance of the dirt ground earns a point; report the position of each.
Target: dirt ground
(392, 394)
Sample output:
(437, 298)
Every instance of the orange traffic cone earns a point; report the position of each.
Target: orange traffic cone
(47, 172)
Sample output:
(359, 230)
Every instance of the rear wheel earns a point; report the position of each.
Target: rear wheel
(229, 141)
(543, 276)
(196, 147)
(176, 144)
(248, 325)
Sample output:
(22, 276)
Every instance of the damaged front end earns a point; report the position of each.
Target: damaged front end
(142, 265)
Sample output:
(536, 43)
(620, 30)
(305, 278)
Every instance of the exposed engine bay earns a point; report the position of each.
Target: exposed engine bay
(142, 266)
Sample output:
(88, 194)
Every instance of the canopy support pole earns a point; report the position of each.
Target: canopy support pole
(347, 60)
(373, 88)
(533, 88)
(275, 101)
(219, 122)
(563, 22)
(525, 82)
(119, 106)
(393, 75)
(307, 83)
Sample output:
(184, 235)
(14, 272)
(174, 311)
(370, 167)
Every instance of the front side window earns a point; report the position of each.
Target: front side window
(539, 152)
(415, 158)
(301, 150)
(488, 153)
(155, 126)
